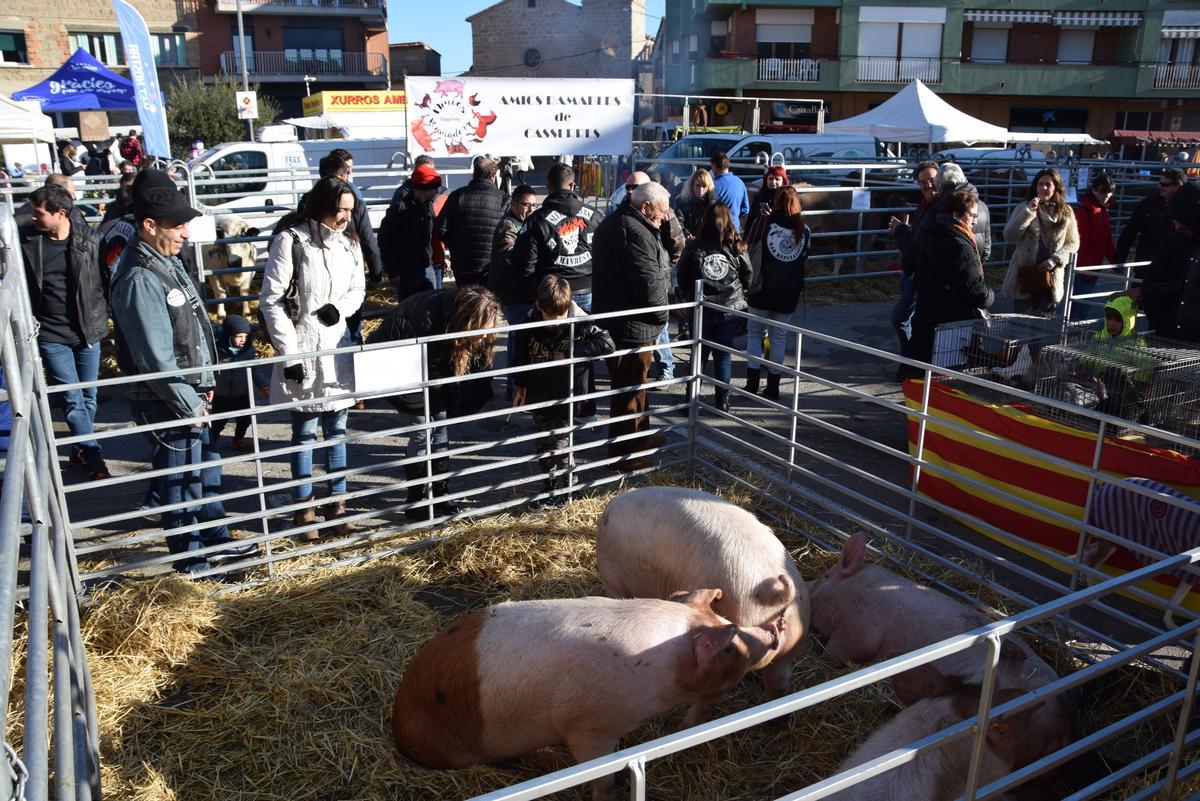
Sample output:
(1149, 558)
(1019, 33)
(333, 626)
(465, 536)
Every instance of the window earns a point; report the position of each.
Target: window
(674, 50)
(1177, 51)
(783, 32)
(297, 38)
(693, 46)
(170, 49)
(1030, 119)
(12, 48)
(1139, 121)
(237, 51)
(720, 35)
(1075, 47)
(240, 161)
(748, 151)
(989, 45)
(104, 47)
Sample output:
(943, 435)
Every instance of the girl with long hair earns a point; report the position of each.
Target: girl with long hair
(470, 311)
(778, 258)
(694, 199)
(718, 258)
(313, 281)
(1045, 234)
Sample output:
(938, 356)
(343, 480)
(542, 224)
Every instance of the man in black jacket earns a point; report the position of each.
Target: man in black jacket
(1170, 289)
(904, 232)
(468, 222)
(633, 271)
(1150, 224)
(511, 286)
(68, 292)
(406, 235)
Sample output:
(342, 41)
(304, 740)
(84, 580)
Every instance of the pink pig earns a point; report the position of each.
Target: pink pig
(653, 541)
(869, 614)
(519, 676)
(940, 774)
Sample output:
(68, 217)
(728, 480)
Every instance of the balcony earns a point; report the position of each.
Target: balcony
(292, 65)
(883, 69)
(1177, 76)
(801, 70)
(373, 13)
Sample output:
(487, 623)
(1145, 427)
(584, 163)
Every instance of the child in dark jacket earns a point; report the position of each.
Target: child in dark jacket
(233, 391)
(551, 344)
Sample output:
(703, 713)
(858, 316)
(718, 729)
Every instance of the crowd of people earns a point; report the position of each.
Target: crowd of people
(513, 261)
(946, 240)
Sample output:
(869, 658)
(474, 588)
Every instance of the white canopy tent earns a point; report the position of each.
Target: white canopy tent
(355, 124)
(22, 121)
(1055, 138)
(917, 114)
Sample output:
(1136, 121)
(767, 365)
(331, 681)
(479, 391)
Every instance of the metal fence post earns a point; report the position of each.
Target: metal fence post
(694, 380)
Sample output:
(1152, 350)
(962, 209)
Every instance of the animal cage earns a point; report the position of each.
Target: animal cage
(1001, 347)
(1150, 380)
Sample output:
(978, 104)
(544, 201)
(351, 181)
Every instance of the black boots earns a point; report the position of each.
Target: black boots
(419, 492)
(772, 390)
(752, 374)
(722, 399)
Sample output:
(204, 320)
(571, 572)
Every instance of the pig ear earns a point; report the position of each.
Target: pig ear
(710, 640)
(1012, 653)
(923, 681)
(853, 553)
(703, 598)
(775, 591)
(1005, 736)
(251, 232)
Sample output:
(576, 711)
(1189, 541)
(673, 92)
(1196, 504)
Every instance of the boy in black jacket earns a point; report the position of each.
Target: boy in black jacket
(551, 344)
(232, 392)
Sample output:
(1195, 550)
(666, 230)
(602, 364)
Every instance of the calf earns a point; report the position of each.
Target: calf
(651, 542)
(233, 254)
(519, 676)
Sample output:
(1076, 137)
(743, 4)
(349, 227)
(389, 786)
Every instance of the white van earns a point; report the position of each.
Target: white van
(972, 155)
(802, 148)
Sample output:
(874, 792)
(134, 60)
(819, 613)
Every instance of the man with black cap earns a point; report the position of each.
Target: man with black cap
(406, 235)
(162, 326)
(1170, 288)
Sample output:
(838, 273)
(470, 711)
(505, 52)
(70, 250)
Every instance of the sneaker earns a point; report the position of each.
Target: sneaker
(98, 469)
(235, 550)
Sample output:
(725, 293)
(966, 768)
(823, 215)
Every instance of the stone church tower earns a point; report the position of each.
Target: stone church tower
(558, 39)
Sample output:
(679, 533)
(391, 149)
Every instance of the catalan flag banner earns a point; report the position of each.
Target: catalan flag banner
(990, 459)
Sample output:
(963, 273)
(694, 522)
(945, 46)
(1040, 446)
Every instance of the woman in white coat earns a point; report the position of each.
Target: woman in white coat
(313, 281)
(1045, 236)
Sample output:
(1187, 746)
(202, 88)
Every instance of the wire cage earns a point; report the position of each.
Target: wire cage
(1002, 347)
(1144, 379)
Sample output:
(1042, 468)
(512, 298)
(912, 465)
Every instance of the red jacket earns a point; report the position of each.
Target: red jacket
(1095, 233)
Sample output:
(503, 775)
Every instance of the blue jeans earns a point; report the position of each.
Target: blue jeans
(754, 337)
(902, 314)
(416, 440)
(720, 328)
(71, 364)
(185, 449)
(514, 313)
(304, 432)
(434, 275)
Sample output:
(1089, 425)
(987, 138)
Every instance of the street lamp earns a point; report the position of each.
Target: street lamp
(308, 81)
(245, 69)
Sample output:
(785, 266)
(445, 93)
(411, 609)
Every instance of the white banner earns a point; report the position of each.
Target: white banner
(519, 116)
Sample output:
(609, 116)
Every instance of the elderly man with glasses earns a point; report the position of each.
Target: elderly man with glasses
(1150, 224)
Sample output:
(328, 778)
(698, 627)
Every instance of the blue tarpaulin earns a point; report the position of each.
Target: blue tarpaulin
(82, 84)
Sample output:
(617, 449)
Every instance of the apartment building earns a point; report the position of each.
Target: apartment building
(1092, 66)
(297, 47)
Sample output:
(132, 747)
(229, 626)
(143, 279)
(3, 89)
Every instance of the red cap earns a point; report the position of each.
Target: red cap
(425, 177)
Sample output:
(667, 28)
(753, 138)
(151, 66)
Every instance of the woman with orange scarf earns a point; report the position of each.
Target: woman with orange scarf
(949, 275)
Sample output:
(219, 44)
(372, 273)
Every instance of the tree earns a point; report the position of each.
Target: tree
(196, 110)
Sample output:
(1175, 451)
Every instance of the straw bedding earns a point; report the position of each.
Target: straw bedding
(284, 691)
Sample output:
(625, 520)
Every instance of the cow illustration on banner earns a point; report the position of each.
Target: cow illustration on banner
(519, 116)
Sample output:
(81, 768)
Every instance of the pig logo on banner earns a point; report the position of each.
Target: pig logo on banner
(449, 118)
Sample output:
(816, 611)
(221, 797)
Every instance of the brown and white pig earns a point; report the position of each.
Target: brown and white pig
(939, 774)
(653, 541)
(581, 672)
(868, 614)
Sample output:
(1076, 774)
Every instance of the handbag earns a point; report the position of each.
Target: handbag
(1033, 279)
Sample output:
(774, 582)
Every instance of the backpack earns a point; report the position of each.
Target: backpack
(291, 304)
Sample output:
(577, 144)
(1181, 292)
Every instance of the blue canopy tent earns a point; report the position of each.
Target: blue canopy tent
(81, 84)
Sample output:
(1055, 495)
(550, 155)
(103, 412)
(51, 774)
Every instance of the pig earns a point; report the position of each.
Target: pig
(939, 774)
(868, 614)
(234, 254)
(581, 672)
(653, 541)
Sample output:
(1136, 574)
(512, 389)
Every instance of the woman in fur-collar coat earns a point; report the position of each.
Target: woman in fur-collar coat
(1045, 234)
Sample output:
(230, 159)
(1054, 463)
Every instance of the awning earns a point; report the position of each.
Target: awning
(1098, 19)
(1025, 17)
(1189, 32)
(1155, 137)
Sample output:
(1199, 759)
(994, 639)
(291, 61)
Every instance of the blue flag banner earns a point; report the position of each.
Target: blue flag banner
(139, 57)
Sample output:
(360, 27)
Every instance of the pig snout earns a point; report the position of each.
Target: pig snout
(763, 641)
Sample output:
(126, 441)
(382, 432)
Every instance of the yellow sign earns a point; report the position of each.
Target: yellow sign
(365, 100)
